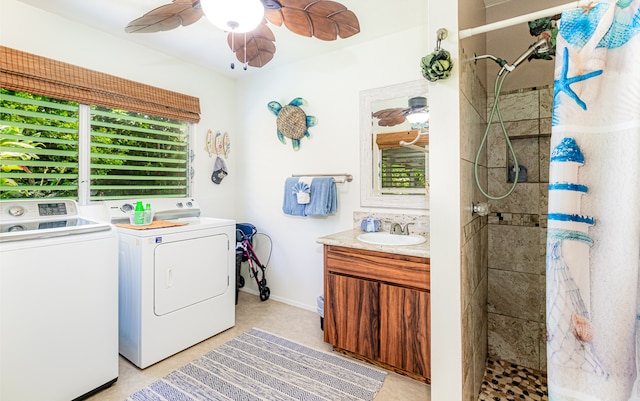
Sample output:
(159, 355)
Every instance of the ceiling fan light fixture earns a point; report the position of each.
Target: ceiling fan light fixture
(235, 15)
(418, 112)
(419, 117)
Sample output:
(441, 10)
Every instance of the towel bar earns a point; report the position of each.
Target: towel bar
(345, 177)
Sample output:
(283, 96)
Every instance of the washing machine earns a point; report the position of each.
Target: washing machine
(58, 302)
(176, 278)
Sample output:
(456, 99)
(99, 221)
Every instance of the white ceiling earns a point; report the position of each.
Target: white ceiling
(203, 44)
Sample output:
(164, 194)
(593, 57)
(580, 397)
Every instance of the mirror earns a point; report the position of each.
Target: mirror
(393, 175)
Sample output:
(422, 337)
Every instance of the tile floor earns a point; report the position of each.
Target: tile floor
(504, 381)
(288, 321)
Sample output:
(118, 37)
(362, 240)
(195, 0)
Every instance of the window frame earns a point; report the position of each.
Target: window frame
(372, 100)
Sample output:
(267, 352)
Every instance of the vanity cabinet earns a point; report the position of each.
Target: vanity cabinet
(377, 308)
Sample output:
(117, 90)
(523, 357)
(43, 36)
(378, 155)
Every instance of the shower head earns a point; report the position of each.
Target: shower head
(540, 46)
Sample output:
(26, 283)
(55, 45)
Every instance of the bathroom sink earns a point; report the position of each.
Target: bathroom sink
(391, 239)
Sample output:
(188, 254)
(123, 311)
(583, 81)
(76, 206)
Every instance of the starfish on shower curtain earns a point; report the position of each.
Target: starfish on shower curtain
(587, 9)
(563, 85)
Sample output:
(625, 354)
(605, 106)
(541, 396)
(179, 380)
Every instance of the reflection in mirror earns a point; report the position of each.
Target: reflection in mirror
(394, 152)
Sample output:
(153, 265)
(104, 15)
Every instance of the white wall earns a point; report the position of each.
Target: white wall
(331, 84)
(29, 29)
(444, 144)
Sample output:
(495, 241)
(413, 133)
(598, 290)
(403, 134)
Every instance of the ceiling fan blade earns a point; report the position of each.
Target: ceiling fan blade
(153, 23)
(274, 16)
(331, 19)
(323, 28)
(297, 21)
(324, 19)
(166, 17)
(389, 117)
(259, 52)
(347, 22)
(191, 15)
(260, 46)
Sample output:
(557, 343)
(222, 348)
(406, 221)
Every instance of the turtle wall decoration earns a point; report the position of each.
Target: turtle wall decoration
(292, 122)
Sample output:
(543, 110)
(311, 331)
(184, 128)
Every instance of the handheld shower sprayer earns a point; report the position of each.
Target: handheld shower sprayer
(540, 46)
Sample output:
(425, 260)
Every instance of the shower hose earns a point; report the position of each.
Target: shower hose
(495, 110)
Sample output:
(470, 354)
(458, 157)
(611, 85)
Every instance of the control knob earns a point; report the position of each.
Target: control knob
(16, 211)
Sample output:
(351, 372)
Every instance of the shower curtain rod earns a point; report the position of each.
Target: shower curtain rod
(465, 33)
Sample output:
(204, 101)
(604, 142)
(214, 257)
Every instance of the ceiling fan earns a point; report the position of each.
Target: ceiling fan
(416, 113)
(254, 45)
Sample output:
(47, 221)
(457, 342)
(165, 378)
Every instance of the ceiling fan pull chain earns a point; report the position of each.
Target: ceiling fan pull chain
(245, 51)
(233, 49)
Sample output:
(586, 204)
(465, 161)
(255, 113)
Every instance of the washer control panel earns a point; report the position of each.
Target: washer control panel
(164, 208)
(36, 209)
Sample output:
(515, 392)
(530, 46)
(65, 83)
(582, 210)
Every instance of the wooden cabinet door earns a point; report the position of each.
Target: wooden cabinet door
(404, 329)
(351, 318)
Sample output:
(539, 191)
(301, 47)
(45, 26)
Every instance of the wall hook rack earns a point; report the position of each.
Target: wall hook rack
(437, 65)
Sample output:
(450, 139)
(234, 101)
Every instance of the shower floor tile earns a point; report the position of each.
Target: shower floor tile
(510, 382)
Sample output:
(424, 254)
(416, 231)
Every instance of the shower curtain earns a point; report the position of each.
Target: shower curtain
(593, 234)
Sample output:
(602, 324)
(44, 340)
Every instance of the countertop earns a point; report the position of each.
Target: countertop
(349, 239)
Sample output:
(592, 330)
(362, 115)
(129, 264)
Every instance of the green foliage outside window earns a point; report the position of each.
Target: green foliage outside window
(403, 168)
(129, 154)
(39, 148)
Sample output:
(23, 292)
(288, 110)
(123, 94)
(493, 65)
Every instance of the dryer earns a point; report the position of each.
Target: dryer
(176, 284)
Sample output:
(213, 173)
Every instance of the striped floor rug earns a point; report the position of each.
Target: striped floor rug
(262, 366)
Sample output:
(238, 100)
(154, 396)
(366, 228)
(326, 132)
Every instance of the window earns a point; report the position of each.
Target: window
(38, 146)
(67, 131)
(402, 170)
(129, 154)
(133, 155)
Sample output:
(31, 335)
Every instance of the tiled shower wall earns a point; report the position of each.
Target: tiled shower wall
(474, 232)
(517, 229)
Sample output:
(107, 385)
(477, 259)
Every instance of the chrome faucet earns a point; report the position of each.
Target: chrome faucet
(396, 228)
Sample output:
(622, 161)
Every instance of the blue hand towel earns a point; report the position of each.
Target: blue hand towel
(324, 197)
(290, 203)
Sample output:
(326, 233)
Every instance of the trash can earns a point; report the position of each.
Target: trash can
(321, 311)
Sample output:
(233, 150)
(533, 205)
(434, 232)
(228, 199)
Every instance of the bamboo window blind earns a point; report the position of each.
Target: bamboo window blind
(392, 140)
(21, 71)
